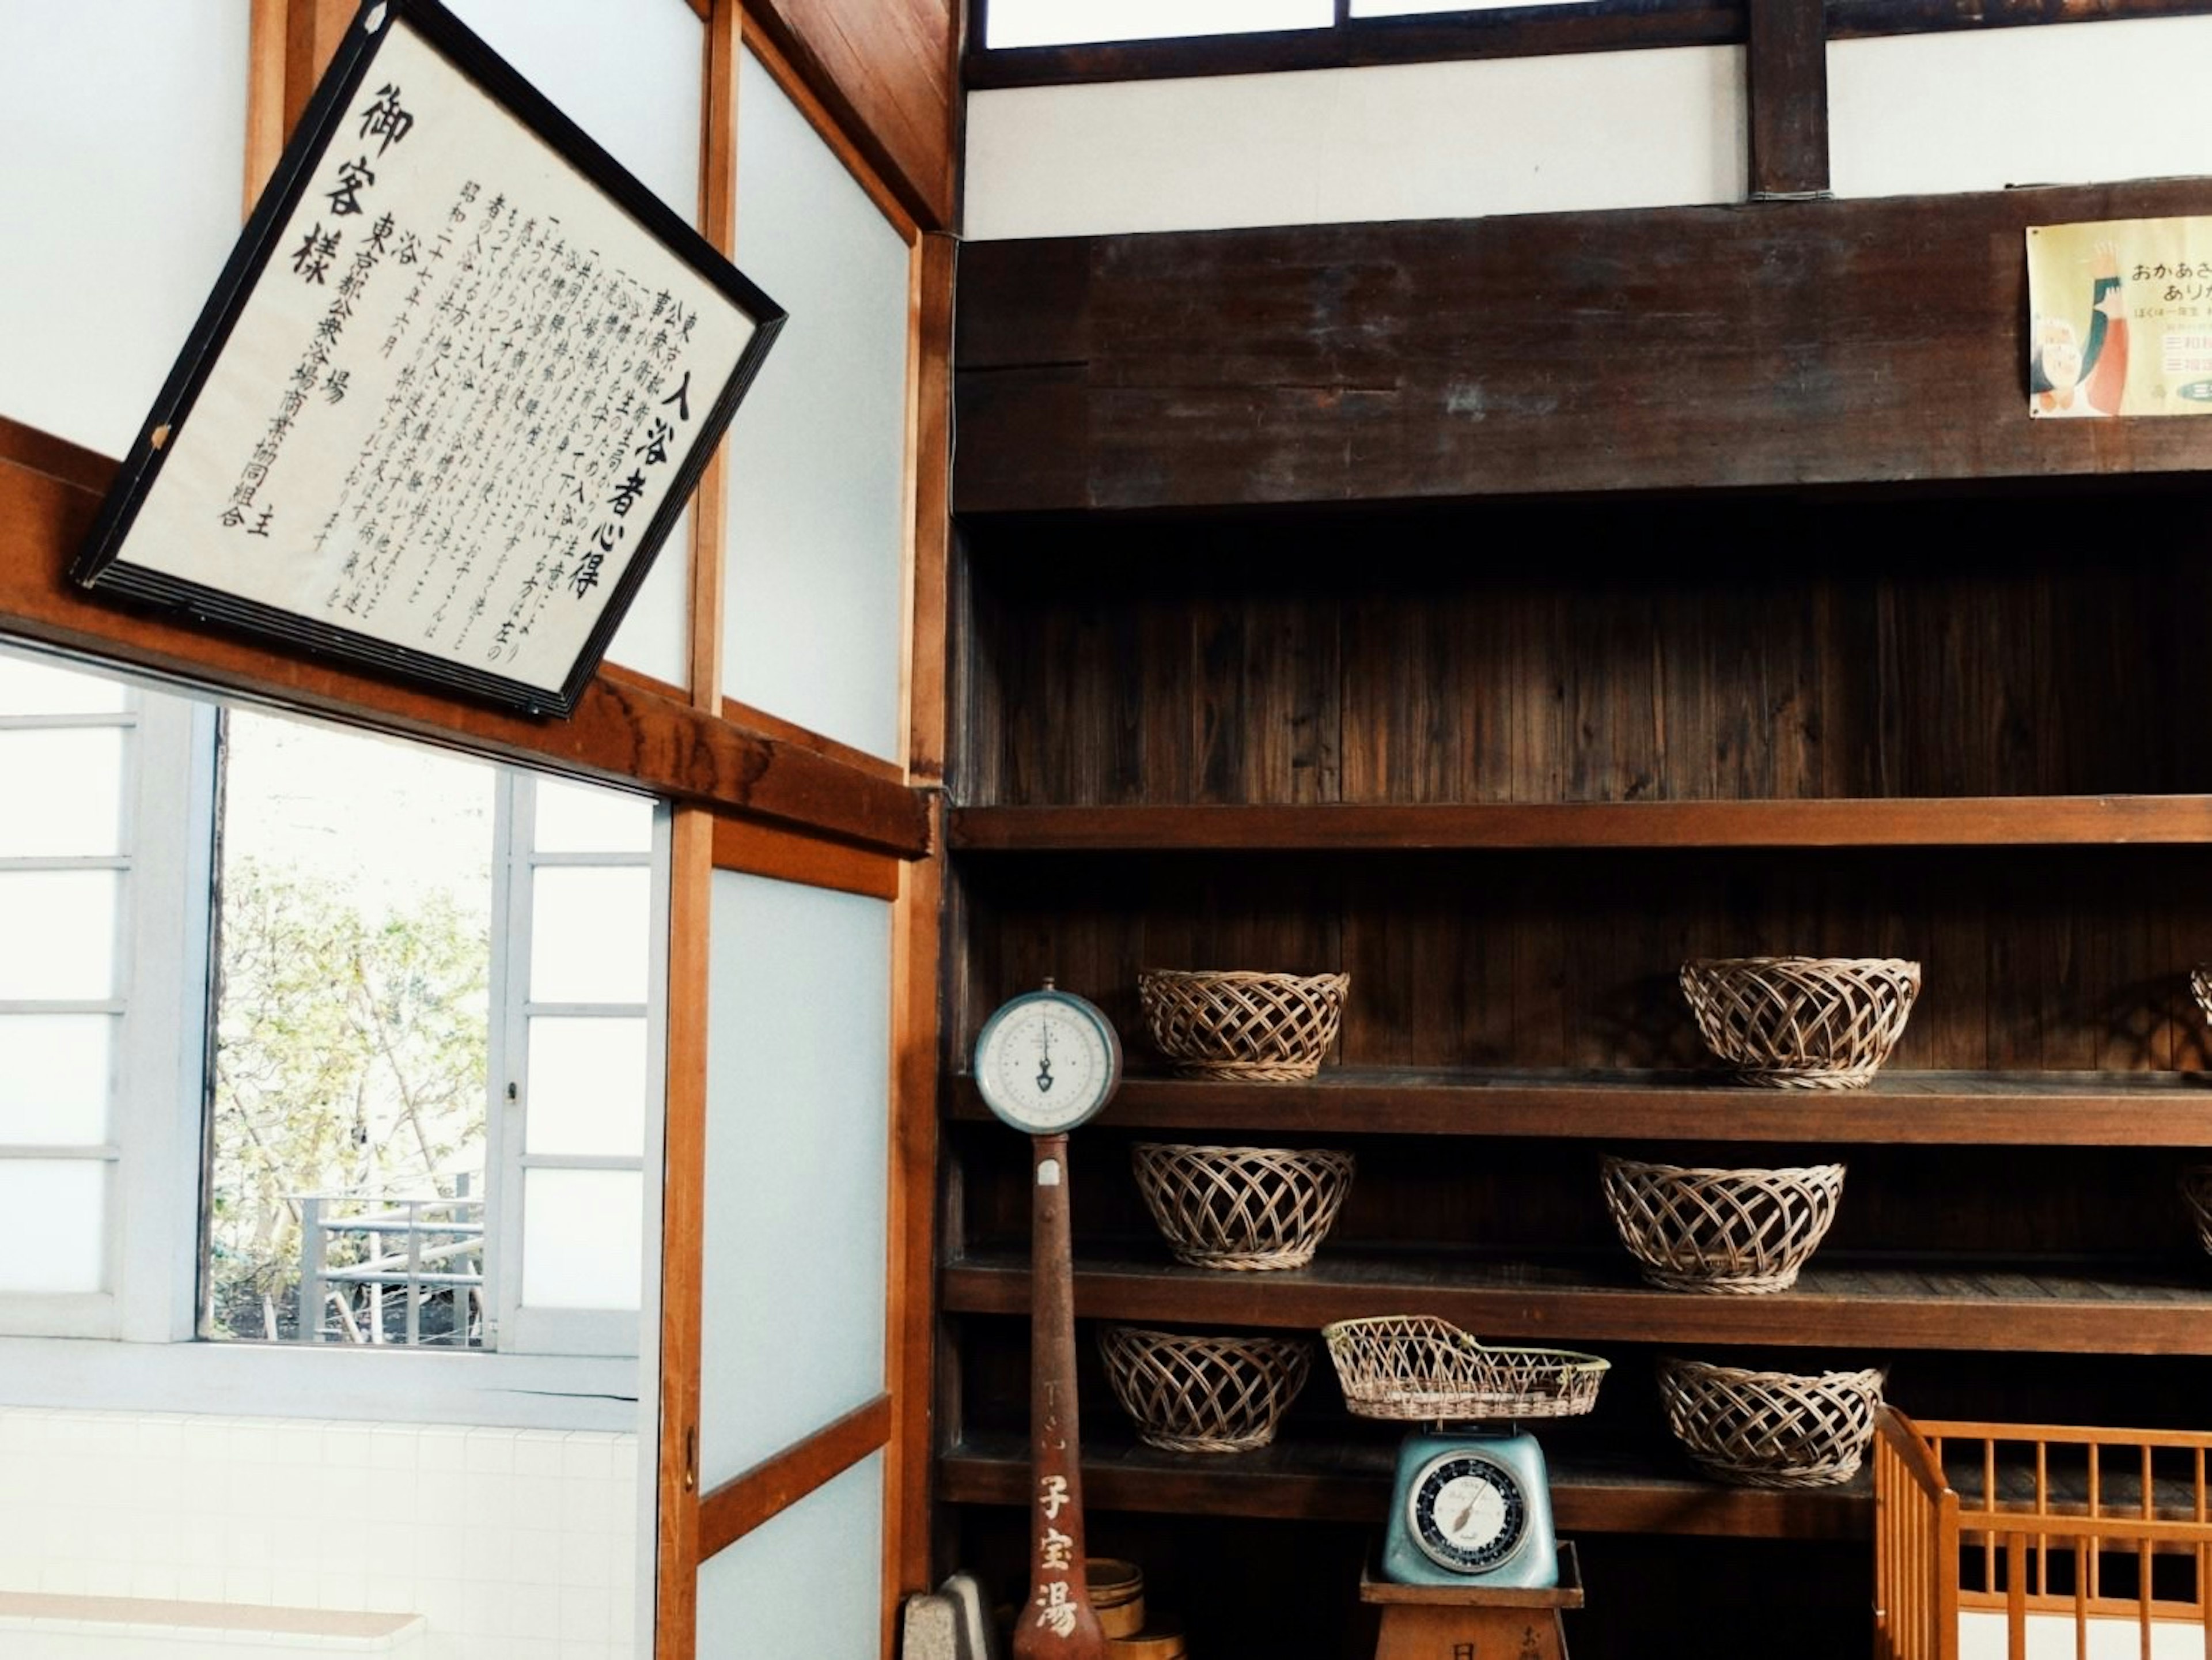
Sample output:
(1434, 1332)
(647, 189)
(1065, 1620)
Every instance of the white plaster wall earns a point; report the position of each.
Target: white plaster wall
(1975, 110)
(514, 1544)
(1413, 141)
(2078, 103)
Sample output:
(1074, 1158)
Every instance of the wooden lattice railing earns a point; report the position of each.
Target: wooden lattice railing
(2102, 1536)
(1916, 1546)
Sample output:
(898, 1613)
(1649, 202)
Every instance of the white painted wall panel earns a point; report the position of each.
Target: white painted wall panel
(806, 1583)
(798, 1143)
(631, 73)
(1984, 109)
(124, 133)
(1416, 140)
(815, 606)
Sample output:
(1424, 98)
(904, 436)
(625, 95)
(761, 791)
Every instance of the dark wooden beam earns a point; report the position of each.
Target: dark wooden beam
(626, 729)
(1788, 72)
(1767, 345)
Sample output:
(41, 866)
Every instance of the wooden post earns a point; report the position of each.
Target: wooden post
(1058, 1622)
(1788, 84)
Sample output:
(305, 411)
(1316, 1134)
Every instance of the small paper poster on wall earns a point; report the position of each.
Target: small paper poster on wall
(2119, 318)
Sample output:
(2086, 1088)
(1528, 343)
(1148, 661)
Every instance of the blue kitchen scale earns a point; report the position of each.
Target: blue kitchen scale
(1471, 1505)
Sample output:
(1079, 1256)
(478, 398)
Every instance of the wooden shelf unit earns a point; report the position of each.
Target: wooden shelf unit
(1263, 659)
(2017, 1109)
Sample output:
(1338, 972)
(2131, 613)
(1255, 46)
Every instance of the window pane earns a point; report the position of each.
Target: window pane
(586, 1091)
(798, 1116)
(582, 818)
(804, 1583)
(61, 927)
(583, 1239)
(587, 935)
(1063, 23)
(63, 792)
(814, 549)
(55, 1079)
(31, 686)
(54, 1225)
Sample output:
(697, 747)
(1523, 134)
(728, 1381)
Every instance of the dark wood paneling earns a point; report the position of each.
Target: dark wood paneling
(1788, 76)
(1592, 1491)
(2107, 1310)
(1773, 649)
(885, 70)
(623, 730)
(2066, 959)
(1780, 343)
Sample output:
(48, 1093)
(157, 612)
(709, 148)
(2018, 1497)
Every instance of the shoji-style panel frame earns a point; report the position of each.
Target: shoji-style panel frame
(752, 793)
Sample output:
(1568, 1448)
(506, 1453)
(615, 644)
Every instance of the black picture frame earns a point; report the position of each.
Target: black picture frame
(104, 564)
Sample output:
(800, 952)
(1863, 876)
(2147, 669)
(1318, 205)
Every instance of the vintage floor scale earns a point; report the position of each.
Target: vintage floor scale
(1471, 1567)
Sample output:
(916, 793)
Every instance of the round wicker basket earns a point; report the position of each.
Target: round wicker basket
(1415, 1368)
(2196, 1188)
(1811, 1023)
(2200, 988)
(1203, 1394)
(1262, 1028)
(1736, 1231)
(1251, 1208)
(1772, 1429)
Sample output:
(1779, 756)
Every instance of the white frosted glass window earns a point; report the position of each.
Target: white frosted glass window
(55, 1075)
(58, 930)
(587, 934)
(1065, 22)
(581, 818)
(815, 556)
(586, 1087)
(798, 1115)
(30, 686)
(583, 1239)
(804, 1582)
(630, 74)
(53, 1226)
(61, 792)
(125, 130)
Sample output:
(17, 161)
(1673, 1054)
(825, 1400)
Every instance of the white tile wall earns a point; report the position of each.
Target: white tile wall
(513, 1544)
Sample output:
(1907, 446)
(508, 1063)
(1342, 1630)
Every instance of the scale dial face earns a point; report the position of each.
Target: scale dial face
(1047, 1062)
(1467, 1513)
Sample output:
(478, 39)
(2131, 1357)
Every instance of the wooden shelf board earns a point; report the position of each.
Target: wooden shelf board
(1966, 1109)
(1956, 822)
(1593, 1491)
(2053, 1305)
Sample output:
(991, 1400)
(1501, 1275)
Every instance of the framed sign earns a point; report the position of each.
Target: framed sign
(459, 379)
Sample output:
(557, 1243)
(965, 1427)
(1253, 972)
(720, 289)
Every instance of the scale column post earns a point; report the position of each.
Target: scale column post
(1058, 1622)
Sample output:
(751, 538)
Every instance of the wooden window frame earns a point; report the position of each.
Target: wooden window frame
(1509, 31)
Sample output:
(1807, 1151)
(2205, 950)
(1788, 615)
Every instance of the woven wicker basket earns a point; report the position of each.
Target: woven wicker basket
(2196, 1188)
(1415, 1368)
(1253, 1208)
(1203, 1394)
(1738, 1231)
(1263, 1028)
(1808, 1023)
(2200, 988)
(1772, 1429)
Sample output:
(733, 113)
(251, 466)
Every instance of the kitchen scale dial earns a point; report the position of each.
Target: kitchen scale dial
(1467, 1513)
(1047, 1062)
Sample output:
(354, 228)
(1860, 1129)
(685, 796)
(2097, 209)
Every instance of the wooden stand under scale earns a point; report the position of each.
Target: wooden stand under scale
(1475, 1622)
